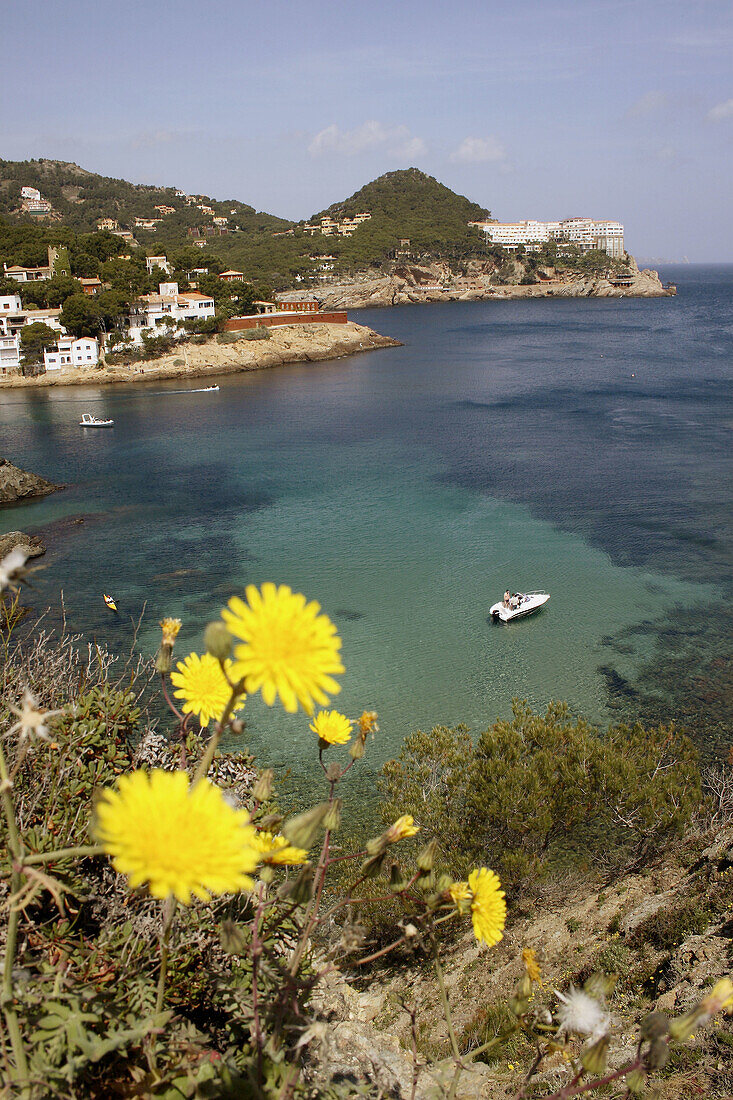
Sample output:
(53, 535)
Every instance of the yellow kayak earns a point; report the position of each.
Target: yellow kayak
(109, 600)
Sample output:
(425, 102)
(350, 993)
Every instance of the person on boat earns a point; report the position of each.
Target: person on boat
(506, 598)
(514, 601)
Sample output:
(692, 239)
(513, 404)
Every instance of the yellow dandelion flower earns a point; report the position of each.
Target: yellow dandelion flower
(488, 907)
(275, 849)
(402, 828)
(531, 965)
(170, 628)
(203, 687)
(288, 647)
(180, 840)
(332, 727)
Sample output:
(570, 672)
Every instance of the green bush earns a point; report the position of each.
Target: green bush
(262, 332)
(544, 791)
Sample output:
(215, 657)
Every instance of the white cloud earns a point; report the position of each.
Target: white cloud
(647, 104)
(473, 150)
(721, 111)
(397, 140)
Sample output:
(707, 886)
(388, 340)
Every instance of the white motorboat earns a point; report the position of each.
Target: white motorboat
(89, 421)
(518, 605)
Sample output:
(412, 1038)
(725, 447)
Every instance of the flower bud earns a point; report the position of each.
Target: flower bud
(444, 883)
(654, 1026)
(299, 890)
(397, 881)
(425, 881)
(332, 817)
(301, 831)
(356, 749)
(657, 1056)
(233, 938)
(237, 726)
(271, 822)
(371, 867)
(426, 858)
(333, 771)
(218, 641)
(636, 1081)
(524, 989)
(163, 659)
(266, 874)
(684, 1026)
(377, 846)
(594, 1057)
(262, 790)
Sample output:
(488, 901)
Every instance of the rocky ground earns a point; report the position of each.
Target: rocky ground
(295, 343)
(411, 283)
(666, 931)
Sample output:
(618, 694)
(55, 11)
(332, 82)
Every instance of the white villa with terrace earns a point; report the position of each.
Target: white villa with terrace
(169, 304)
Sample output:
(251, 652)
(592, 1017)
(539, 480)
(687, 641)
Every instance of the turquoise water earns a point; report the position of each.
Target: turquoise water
(578, 447)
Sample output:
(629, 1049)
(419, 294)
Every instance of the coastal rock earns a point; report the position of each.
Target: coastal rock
(17, 484)
(31, 545)
(477, 280)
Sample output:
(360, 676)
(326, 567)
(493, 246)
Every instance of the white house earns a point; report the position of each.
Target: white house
(69, 352)
(30, 193)
(9, 348)
(10, 303)
(151, 310)
(152, 262)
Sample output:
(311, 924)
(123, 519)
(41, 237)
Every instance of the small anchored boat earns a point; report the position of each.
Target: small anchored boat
(110, 601)
(89, 421)
(518, 604)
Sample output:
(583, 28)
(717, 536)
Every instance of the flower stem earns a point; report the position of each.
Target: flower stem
(164, 952)
(63, 853)
(11, 942)
(448, 1016)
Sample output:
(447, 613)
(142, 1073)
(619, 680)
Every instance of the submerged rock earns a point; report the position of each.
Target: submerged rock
(31, 545)
(17, 484)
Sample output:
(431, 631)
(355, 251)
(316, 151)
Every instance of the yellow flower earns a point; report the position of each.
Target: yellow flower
(368, 723)
(275, 849)
(403, 827)
(531, 965)
(460, 895)
(488, 907)
(170, 628)
(180, 840)
(289, 649)
(332, 727)
(203, 687)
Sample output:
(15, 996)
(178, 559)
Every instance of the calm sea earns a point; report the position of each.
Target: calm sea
(581, 447)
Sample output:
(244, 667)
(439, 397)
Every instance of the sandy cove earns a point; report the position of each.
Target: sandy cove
(309, 343)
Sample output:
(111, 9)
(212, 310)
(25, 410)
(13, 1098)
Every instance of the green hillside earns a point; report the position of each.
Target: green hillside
(267, 249)
(407, 204)
(80, 198)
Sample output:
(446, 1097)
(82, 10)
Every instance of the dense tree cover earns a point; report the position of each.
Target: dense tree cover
(81, 198)
(35, 339)
(543, 791)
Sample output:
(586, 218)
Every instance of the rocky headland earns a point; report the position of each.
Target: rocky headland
(403, 283)
(309, 343)
(20, 485)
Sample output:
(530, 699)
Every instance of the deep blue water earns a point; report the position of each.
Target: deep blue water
(581, 446)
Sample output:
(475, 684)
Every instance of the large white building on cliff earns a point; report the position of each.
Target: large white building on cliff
(586, 233)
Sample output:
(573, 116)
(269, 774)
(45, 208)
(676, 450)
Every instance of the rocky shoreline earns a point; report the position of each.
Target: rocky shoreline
(311, 343)
(18, 485)
(411, 283)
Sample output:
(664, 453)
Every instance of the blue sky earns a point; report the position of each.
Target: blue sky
(533, 108)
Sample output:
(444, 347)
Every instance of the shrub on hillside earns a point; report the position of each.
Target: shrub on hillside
(546, 790)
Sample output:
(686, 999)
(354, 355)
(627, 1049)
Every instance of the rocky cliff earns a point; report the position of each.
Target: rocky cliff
(17, 484)
(402, 283)
(664, 930)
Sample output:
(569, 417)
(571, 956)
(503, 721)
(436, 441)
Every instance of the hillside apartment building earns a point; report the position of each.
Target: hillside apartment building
(586, 233)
